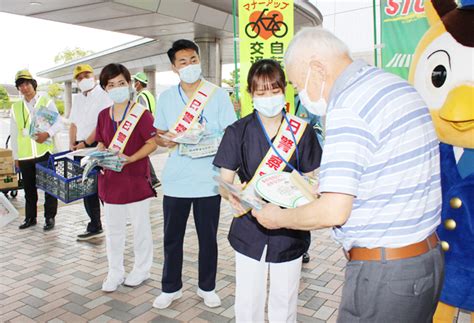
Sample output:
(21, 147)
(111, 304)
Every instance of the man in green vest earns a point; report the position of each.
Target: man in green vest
(145, 98)
(28, 151)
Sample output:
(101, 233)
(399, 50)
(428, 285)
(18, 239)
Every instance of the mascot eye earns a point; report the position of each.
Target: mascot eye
(439, 75)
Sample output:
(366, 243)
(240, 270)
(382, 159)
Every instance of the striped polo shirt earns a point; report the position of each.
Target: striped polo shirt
(381, 147)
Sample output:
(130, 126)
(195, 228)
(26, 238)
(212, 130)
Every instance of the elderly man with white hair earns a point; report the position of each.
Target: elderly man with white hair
(379, 182)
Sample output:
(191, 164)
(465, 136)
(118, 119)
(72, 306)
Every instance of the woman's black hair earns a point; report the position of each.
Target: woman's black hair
(113, 70)
(270, 72)
(180, 45)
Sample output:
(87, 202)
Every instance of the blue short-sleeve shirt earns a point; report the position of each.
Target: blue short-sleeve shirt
(182, 175)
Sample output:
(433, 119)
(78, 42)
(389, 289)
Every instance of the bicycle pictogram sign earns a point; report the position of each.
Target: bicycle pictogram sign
(266, 25)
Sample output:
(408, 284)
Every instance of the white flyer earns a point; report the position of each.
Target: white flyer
(247, 198)
(279, 189)
(191, 137)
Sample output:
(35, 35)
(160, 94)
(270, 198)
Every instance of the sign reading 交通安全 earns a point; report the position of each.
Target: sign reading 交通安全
(403, 24)
(265, 30)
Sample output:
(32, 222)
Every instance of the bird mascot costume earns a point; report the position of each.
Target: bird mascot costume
(443, 73)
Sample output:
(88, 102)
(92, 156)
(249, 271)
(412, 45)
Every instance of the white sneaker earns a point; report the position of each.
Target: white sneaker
(110, 285)
(211, 299)
(164, 300)
(133, 279)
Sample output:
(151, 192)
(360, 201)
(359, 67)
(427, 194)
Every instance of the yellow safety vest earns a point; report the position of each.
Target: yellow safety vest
(27, 147)
(149, 100)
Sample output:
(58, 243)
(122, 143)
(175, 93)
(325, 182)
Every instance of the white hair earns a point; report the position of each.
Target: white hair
(315, 41)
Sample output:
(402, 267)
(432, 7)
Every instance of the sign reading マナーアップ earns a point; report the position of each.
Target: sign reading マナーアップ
(403, 24)
(265, 30)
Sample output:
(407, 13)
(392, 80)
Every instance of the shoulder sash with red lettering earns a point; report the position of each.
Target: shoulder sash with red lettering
(285, 145)
(125, 130)
(195, 105)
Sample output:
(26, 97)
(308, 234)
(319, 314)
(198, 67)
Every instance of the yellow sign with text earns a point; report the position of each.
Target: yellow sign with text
(265, 29)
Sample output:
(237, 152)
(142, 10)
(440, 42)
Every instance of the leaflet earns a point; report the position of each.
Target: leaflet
(248, 198)
(284, 190)
(206, 147)
(41, 121)
(190, 137)
(108, 159)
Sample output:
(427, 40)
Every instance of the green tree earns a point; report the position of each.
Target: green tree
(231, 82)
(55, 90)
(68, 55)
(4, 98)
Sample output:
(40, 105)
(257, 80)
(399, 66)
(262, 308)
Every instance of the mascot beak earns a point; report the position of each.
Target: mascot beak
(458, 109)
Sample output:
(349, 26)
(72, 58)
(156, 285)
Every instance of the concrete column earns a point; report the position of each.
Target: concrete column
(67, 98)
(151, 86)
(211, 59)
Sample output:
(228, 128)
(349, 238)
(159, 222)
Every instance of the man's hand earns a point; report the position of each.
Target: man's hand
(268, 216)
(100, 146)
(160, 141)
(41, 137)
(80, 145)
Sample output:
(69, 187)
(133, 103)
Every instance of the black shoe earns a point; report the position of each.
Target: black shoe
(306, 258)
(27, 223)
(90, 235)
(48, 224)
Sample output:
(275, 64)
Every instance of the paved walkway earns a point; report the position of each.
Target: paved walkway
(52, 277)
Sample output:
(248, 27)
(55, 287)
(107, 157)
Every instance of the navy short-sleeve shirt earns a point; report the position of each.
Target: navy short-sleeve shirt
(242, 149)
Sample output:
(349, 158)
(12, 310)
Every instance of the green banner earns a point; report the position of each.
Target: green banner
(403, 24)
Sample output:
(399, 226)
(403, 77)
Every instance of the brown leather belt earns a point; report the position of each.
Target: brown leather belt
(413, 250)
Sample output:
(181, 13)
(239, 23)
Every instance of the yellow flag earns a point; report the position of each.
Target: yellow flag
(265, 29)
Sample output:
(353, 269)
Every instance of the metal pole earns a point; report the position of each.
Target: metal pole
(236, 74)
(375, 33)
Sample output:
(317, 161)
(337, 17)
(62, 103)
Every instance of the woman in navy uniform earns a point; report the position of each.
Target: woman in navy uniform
(261, 252)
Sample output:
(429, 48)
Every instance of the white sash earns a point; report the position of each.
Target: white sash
(125, 129)
(285, 146)
(193, 109)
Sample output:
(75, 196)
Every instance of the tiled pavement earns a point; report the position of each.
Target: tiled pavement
(52, 277)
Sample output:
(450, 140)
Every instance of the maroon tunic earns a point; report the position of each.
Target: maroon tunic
(133, 183)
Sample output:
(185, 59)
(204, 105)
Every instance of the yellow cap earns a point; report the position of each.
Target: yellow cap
(23, 74)
(80, 69)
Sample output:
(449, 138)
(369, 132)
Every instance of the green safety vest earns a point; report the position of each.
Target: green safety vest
(27, 147)
(148, 98)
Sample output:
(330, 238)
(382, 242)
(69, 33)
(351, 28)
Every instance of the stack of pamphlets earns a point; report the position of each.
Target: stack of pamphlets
(288, 190)
(190, 137)
(41, 121)
(247, 197)
(206, 147)
(108, 159)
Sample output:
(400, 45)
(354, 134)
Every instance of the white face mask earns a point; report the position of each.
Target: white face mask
(119, 94)
(318, 107)
(86, 84)
(269, 106)
(190, 73)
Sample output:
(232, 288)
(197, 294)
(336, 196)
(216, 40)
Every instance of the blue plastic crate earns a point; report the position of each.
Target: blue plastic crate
(62, 178)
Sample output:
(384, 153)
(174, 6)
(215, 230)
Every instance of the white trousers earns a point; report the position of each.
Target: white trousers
(251, 289)
(116, 231)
